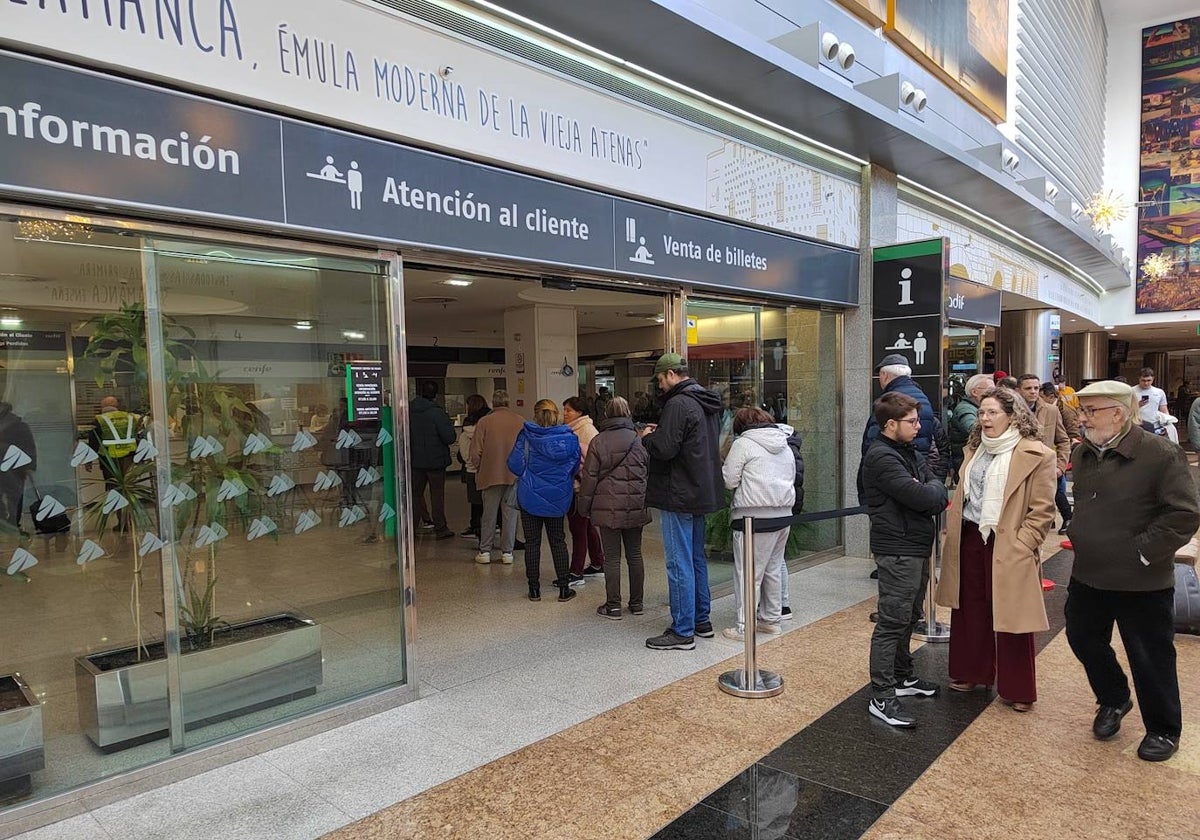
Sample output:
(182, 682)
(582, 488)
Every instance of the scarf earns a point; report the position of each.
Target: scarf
(1000, 448)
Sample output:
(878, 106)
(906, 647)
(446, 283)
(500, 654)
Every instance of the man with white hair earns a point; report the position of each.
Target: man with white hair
(965, 415)
(1135, 505)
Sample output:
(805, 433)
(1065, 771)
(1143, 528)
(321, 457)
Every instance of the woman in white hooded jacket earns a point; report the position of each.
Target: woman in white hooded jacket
(761, 471)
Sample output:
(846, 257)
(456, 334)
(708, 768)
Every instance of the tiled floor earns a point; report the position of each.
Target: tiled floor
(497, 676)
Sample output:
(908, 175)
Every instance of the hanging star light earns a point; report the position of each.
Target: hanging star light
(1106, 208)
(1157, 266)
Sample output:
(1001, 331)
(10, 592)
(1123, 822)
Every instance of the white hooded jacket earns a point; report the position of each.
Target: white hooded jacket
(761, 471)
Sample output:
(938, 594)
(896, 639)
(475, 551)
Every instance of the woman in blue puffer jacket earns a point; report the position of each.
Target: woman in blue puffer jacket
(545, 460)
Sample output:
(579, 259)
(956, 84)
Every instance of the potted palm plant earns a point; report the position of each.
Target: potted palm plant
(228, 668)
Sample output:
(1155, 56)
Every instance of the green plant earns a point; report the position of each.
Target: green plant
(197, 615)
(199, 405)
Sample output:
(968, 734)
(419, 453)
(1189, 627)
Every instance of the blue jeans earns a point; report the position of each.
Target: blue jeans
(687, 571)
(1060, 499)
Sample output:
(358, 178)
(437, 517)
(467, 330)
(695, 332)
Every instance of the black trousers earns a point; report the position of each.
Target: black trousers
(533, 546)
(1146, 621)
(631, 539)
(902, 585)
(436, 481)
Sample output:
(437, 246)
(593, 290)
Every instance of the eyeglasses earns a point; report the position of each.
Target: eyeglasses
(1088, 413)
(912, 421)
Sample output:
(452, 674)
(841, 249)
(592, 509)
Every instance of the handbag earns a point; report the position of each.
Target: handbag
(1187, 599)
(59, 523)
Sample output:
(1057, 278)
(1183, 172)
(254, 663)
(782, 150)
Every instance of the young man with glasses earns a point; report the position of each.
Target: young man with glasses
(903, 498)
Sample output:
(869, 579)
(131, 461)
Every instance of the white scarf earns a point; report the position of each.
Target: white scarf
(1000, 448)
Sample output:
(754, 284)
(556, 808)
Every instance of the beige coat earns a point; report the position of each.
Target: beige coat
(1054, 433)
(1026, 516)
(495, 434)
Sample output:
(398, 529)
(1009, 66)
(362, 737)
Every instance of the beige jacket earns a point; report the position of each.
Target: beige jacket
(1054, 433)
(1026, 516)
(491, 444)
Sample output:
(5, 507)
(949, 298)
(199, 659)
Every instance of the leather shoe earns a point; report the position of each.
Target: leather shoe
(1108, 720)
(1157, 747)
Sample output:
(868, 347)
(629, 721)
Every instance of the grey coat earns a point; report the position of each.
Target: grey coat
(612, 484)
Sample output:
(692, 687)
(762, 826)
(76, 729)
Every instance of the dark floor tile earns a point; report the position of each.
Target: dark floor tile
(940, 720)
(781, 804)
(704, 823)
(850, 765)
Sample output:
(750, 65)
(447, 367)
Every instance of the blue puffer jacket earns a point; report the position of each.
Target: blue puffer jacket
(545, 461)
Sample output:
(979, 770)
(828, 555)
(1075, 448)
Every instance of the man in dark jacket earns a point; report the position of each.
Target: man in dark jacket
(1135, 505)
(684, 483)
(903, 498)
(18, 460)
(895, 376)
(430, 434)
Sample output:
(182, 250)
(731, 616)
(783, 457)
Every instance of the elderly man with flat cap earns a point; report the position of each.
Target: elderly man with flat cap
(1135, 505)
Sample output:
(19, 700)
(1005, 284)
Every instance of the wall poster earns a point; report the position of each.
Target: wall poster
(965, 42)
(1169, 189)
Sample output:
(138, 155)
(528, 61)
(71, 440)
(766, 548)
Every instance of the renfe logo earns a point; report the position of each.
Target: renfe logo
(30, 123)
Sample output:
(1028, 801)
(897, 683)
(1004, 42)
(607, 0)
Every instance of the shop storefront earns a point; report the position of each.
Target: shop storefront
(204, 391)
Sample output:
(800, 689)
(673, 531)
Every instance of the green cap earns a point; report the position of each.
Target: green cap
(668, 361)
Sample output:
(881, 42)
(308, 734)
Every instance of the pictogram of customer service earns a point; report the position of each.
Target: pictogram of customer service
(352, 178)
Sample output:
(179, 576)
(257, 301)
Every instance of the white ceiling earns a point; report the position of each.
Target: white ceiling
(1139, 13)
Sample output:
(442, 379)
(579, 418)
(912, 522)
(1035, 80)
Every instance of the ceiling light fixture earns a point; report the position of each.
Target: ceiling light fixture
(10, 321)
(461, 282)
(1157, 266)
(303, 325)
(353, 335)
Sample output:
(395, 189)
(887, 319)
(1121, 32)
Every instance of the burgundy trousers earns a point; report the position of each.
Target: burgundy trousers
(585, 542)
(978, 654)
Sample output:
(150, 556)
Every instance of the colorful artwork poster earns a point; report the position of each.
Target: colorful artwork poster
(873, 11)
(965, 42)
(1169, 187)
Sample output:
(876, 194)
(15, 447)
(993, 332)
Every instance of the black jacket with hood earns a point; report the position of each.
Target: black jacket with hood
(685, 461)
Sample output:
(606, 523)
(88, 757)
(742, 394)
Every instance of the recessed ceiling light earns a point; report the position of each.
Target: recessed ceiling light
(303, 325)
(354, 335)
(461, 282)
(1112, 333)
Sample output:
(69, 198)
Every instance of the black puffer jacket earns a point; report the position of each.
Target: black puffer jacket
(685, 460)
(612, 486)
(902, 496)
(430, 434)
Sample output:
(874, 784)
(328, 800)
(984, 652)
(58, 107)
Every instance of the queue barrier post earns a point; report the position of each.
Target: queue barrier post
(750, 680)
(931, 630)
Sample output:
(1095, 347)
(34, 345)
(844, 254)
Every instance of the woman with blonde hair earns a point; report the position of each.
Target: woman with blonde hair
(991, 564)
(545, 459)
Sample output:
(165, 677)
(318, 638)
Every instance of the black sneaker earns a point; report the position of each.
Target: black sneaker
(1066, 524)
(1108, 720)
(1157, 747)
(891, 712)
(609, 612)
(593, 570)
(702, 629)
(874, 574)
(785, 613)
(635, 609)
(575, 580)
(670, 641)
(916, 687)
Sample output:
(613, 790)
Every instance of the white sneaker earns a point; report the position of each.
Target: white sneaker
(506, 558)
(769, 629)
(733, 634)
(483, 558)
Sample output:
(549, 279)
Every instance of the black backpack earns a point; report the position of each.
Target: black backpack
(793, 443)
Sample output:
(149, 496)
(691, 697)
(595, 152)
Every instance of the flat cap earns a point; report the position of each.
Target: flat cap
(1119, 392)
(892, 359)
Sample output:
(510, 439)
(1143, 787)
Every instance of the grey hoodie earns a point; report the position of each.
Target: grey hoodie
(761, 471)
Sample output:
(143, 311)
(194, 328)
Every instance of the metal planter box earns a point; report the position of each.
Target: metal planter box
(21, 744)
(250, 666)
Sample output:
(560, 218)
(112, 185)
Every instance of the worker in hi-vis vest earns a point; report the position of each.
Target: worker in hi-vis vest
(115, 439)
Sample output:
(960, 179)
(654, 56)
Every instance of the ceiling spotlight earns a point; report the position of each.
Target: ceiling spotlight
(830, 46)
(846, 56)
(920, 100)
(1076, 210)
(461, 282)
(908, 92)
(1010, 160)
(303, 325)
(1051, 192)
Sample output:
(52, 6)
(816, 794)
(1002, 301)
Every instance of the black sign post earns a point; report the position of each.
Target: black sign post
(909, 295)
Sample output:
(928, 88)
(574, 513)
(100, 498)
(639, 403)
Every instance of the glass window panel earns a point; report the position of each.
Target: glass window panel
(283, 461)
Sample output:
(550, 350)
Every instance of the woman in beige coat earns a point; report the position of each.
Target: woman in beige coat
(991, 564)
